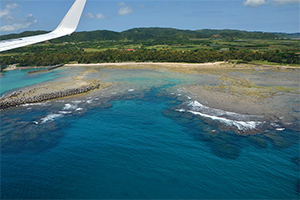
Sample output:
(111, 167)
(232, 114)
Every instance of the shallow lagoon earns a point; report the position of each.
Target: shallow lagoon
(131, 141)
(20, 78)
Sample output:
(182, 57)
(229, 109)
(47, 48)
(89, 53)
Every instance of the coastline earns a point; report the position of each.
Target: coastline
(236, 94)
(22, 68)
(221, 64)
(48, 91)
(232, 93)
(248, 98)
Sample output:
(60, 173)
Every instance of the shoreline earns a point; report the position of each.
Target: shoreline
(49, 91)
(29, 67)
(219, 64)
(239, 91)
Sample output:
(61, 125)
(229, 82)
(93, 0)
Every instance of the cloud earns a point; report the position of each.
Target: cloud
(257, 3)
(100, 16)
(283, 2)
(124, 10)
(90, 15)
(17, 24)
(4, 12)
(12, 23)
(11, 6)
(8, 8)
(254, 3)
(121, 4)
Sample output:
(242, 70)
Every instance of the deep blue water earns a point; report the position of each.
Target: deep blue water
(133, 147)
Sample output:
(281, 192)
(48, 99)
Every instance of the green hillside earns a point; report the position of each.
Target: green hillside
(139, 34)
(156, 45)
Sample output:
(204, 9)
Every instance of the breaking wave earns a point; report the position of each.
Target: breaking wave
(50, 117)
(242, 122)
(196, 106)
(69, 106)
(67, 109)
(35, 104)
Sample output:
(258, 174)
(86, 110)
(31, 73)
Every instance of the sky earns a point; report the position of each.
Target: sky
(117, 15)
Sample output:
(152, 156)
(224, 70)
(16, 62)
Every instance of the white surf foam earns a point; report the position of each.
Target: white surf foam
(76, 101)
(50, 117)
(241, 125)
(65, 112)
(69, 106)
(275, 125)
(196, 106)
(240, 121)
(130, 90)
(34, 104)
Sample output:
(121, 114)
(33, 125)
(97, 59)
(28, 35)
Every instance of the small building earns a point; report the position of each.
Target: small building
(224, 49)
(217, 37)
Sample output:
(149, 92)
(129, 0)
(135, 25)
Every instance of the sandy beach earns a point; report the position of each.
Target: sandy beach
(170, 65)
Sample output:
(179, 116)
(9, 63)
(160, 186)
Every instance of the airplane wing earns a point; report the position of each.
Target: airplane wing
(67, 26)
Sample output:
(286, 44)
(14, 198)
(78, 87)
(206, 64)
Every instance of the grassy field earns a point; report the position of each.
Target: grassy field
(194, 44)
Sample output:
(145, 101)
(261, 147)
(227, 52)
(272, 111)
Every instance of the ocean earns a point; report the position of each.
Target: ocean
(144, 138)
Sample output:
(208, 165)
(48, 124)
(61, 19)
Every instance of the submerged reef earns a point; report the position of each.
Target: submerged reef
(254, 103)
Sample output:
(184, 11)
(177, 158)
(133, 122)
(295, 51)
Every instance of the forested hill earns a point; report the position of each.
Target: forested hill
(140, 34)
(288, 35)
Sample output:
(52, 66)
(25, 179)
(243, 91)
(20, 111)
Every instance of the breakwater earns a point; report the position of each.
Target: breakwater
(45, 70)
(19, 98)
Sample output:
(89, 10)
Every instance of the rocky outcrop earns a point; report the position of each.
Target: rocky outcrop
(16, 98)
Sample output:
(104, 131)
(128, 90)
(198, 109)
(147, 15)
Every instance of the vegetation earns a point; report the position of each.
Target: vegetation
(138, 34)
(157, 45)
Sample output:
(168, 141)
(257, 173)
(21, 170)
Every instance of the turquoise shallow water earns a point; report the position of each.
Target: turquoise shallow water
(19, 78)
(131, 148)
